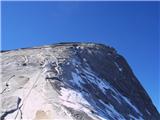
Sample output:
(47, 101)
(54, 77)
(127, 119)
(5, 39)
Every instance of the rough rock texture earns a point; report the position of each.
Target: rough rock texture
(71, 81)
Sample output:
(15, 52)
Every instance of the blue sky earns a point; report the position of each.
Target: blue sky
(130, 27)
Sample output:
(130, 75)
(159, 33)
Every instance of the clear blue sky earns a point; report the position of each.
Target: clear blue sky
(130, 27)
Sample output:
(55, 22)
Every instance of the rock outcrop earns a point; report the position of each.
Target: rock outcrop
(71, 81)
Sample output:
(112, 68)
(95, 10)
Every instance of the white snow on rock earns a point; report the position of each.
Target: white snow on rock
(148, 112)
(130, 104)
(134, 118)
(74, 99)
(110, 110)
(102, 84)
(77, 79)
(119, 68)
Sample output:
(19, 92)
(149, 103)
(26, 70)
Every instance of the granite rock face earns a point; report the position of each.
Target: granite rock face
(71, 81)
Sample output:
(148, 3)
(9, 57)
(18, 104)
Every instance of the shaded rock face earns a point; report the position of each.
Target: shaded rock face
(71, 81)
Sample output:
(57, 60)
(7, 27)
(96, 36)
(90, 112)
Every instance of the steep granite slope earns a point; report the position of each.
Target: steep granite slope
(71, 81)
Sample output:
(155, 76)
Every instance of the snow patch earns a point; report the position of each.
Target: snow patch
(134, 118)
(148, 112)
(75, 62)
(128, 102)
(119, 68)
(102, 84)
(77, 79)
(112, 112)
(73, 99)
